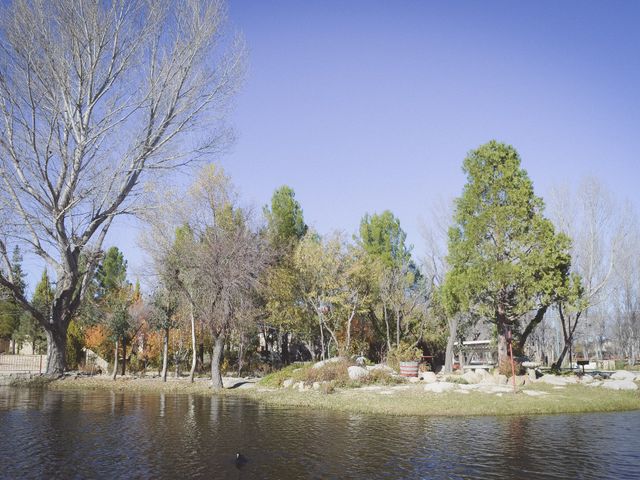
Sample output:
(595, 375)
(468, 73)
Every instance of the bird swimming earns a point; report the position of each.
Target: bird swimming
(240, 460)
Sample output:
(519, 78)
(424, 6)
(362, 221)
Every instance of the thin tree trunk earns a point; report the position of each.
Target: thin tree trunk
(194, 358)
(397, 328)
(322, 354)
(165, 354)
(353, 314)
(284, 355)
(115, 362)
(532, 325)
(216, 363)
(453, 332)
(386, 322)
(124, 355)
(567, 332)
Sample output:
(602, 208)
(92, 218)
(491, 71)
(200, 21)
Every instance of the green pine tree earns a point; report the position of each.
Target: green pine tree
(507, 262)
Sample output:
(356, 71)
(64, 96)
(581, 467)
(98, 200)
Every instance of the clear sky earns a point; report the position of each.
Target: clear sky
(362, 106)
(366, 106)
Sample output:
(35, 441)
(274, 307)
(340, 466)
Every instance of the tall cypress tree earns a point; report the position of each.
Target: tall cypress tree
(507, 262)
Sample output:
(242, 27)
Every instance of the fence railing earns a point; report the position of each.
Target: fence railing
(21, 363)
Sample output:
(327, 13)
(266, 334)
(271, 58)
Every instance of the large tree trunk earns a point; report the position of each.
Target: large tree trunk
(216, 362)
(502, 326)
(115, 362)
(194, 357)
(56, 351)
(165, 354)
(453, 332)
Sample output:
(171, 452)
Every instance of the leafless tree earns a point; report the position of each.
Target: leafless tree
(590, 218)
(434, 263)
(216, 259)
(626, 292)
(96, 98)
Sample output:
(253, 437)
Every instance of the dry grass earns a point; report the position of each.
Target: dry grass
(407, 400)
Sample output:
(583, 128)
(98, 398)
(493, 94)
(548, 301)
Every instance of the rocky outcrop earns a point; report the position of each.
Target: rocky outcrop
(553, 380)
(322, 363)
(619, 385)
(439, 387)
(623, 375)
(356, 373)
(428, 377)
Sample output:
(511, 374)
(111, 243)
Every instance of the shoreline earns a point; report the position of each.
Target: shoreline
(401, 400)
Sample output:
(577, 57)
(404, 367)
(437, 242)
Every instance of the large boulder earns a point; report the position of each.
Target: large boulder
(472, 377)
(619, 385)
(356, 373)
(489, 380)
(573, 379)
(553, 380)
(501, 379)
(439, 387)
(380, 366)
(322, 363)
(623, 375)
(428, 377)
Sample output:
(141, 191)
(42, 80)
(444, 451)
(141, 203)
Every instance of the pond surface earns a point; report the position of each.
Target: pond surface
(98, 434)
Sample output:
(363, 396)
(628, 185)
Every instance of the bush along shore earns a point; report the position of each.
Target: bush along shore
(338, 385)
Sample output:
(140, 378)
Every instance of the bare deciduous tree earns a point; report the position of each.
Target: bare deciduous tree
(95, 99)
(589, 218)
(217, 260)
(626, 291)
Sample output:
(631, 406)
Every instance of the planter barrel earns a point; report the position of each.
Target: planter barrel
(409, 369)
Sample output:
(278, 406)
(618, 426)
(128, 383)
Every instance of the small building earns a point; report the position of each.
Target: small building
(476, 354)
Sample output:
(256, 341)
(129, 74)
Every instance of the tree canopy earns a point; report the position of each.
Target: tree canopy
(506, 258)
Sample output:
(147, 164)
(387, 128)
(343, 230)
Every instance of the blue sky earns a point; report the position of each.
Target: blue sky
(362, 106)
(366, 106)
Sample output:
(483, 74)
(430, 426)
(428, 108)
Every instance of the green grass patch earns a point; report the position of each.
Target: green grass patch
(296, 371)
(415, 401)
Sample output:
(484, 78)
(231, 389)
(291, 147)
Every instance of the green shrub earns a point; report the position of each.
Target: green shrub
(403, 353)
(336, 371)
(381, 377)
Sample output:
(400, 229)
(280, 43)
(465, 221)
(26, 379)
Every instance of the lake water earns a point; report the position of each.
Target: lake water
(98, 434)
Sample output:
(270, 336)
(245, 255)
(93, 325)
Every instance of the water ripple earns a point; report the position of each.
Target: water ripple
(131, 435)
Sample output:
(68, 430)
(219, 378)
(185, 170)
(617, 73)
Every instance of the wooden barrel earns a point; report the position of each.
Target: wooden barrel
(409, 369)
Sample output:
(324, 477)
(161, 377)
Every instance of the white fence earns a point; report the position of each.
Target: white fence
(21, 363)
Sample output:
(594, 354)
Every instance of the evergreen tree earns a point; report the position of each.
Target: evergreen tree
(30, 329)
(285, 228)
(285, 219)
(10, 310)
(506, 259)
(112, 272)
(382, 237)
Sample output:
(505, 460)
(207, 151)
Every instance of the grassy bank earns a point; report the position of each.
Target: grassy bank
(399, 400)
